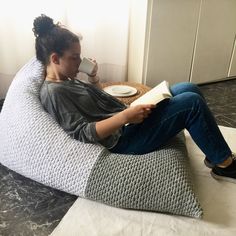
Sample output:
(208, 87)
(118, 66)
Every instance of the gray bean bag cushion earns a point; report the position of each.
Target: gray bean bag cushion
(35, 146)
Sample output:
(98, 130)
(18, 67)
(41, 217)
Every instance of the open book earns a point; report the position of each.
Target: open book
(155, 95)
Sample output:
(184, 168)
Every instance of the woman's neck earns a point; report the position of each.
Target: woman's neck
(52, 75)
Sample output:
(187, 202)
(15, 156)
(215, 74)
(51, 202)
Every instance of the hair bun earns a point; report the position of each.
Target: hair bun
(42, 25)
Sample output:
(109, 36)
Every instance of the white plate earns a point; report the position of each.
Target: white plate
(120, 90)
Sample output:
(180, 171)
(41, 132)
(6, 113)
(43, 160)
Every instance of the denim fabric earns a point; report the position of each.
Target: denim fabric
(187, 109)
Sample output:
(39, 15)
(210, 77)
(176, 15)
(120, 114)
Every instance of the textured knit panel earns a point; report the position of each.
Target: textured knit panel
(34, 145)
(158, 181)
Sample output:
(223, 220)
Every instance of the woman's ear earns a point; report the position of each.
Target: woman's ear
(54, 58)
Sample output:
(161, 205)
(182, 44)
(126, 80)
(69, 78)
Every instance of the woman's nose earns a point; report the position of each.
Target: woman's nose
(79, 61)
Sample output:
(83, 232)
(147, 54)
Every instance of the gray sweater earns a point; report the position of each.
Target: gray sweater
(77, 106)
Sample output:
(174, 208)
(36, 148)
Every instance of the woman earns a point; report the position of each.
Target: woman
(89, 114)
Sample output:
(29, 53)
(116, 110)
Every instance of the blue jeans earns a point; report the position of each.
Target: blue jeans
(187, 109)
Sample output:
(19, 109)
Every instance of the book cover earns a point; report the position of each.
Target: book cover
(155, 95)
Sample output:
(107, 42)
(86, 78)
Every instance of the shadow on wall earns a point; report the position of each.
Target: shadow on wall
(5, 83)
(1, 104)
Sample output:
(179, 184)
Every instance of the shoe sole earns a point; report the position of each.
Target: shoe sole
(219, 177)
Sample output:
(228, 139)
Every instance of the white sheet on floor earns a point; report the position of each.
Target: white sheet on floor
(218, 199)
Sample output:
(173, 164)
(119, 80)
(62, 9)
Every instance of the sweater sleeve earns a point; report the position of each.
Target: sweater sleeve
(74, 112)
(71, 120)
(77, 126)
(80, 129)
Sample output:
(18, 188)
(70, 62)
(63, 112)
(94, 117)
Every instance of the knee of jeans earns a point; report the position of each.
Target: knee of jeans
(191, 87)
(198, 101)
(193, 97)
(185, 87)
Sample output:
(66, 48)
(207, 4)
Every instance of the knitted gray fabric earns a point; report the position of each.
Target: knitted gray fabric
(158, 181)
(34, 145)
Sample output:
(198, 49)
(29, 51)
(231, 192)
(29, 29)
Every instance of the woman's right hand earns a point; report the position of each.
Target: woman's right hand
(136, 114)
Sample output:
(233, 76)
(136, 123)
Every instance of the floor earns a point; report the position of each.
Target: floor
(30, 208)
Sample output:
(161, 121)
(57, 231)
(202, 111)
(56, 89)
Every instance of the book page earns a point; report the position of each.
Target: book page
(155, 95)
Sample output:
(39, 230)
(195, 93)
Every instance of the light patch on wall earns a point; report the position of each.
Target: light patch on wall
(16, 23)
(104, 25)
(103, 22)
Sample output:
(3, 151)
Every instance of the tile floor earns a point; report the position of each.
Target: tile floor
(29, 208)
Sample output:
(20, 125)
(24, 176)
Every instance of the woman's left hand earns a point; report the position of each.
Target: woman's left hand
(93, 78)
(95, 70)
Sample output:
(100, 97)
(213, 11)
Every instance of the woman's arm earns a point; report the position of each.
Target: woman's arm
(95, 80)
(134, 114)
(71, 118)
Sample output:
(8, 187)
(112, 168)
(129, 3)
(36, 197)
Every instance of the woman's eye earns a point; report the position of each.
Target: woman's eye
(75, 57)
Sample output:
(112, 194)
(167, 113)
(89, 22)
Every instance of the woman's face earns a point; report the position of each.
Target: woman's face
(70, 61)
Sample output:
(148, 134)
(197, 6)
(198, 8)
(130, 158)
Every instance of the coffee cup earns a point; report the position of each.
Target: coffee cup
(87, 66)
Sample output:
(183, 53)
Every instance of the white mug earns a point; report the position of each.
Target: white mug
(86, 66)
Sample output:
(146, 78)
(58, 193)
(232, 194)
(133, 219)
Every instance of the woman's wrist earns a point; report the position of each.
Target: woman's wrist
(123, 117)
(93, 79)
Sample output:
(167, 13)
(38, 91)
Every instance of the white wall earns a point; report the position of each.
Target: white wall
(215, 41)
(172, 35)
(185, 40)
(232, 68)
(17, 38)
(137, 35)
(5, 81)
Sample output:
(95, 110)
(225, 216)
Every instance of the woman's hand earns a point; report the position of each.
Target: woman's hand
(95, 69)
(137, 114)
(93, 78)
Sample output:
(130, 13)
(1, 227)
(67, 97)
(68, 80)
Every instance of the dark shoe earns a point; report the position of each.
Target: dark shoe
(227, 174)
(208, 163)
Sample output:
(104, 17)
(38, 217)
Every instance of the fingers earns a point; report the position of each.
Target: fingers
(148, 110)
(93, 60)
(143, 111)
(146, 114)
(95, 70)
(148, 106)
(136, 114)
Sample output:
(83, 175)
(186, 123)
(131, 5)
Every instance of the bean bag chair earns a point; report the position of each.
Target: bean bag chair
(34, 145)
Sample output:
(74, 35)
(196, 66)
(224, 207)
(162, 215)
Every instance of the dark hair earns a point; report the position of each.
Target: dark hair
(51, 38)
